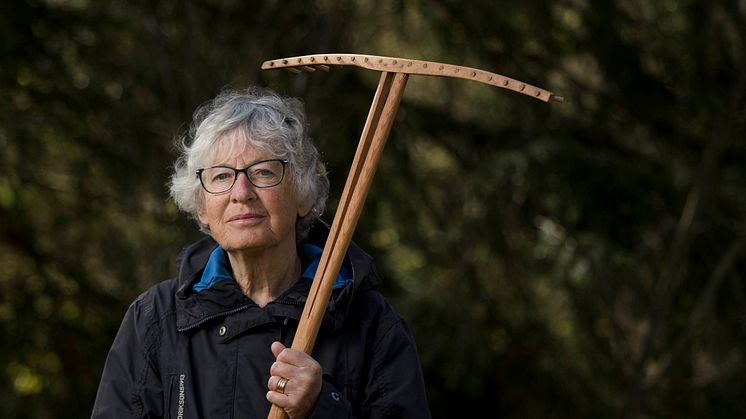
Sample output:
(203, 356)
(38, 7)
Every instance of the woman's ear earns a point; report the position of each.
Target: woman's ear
(304, 207)
(202, 216)
(303, 210)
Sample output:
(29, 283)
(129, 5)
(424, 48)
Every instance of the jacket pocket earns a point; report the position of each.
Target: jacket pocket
(175, 403)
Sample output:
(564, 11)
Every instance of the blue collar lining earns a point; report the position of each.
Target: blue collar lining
(312, 253)
(216, 269)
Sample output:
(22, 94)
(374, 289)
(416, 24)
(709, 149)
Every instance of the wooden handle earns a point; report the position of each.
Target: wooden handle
(395, 72)
(372, 141)
(315, 62)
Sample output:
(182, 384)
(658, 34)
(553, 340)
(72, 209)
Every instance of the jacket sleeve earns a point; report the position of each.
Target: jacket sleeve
(130, 385)
(395, 388)
(331, 404)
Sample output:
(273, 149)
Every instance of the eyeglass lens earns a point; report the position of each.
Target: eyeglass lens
(262, 175)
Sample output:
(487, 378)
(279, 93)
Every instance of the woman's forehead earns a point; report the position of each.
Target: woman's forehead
(235, 145)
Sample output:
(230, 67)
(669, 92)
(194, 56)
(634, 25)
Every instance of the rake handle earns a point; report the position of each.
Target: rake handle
(372, 141)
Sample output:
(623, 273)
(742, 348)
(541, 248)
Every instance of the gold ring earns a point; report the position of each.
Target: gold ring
(281, 385)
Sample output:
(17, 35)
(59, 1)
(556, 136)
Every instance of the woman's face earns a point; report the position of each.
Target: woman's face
(247, 217)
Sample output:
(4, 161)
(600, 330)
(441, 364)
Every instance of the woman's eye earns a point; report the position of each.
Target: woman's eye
(222, 177)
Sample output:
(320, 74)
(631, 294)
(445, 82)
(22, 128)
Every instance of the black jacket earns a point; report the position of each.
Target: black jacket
(181, 354)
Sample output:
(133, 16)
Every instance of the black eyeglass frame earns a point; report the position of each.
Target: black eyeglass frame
(245, 171)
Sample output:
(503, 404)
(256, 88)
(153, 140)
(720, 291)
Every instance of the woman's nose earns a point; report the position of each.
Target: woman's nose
(243, 190)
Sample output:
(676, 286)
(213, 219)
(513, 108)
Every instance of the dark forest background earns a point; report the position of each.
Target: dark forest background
(583, 259)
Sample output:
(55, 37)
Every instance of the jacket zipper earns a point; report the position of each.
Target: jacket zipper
(234, 311)
(213, 316)
(291, 302)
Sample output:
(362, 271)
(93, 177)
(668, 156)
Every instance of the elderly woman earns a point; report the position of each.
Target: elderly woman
(214, 341)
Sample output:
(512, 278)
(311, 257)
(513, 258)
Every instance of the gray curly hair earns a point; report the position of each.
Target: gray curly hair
(267, 121)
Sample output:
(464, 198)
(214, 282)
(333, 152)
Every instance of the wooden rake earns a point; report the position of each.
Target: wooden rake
(394, 74)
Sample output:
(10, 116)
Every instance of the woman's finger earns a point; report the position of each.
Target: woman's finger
(282, 369)
(274, 381)
(292, 356)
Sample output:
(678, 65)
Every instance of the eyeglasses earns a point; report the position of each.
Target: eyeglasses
(263, 174)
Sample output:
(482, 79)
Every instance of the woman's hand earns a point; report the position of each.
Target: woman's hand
(303, 385)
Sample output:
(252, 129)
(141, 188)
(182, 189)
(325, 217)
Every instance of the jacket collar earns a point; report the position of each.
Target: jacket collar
(225, 297)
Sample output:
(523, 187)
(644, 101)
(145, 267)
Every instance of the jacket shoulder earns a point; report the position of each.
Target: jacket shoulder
(371, 310)
(155, 304)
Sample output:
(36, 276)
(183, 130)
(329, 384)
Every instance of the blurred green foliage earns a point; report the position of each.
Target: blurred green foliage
(583, 259)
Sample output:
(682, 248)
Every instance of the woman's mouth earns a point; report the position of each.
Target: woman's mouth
(245, 218)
